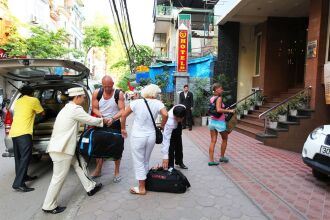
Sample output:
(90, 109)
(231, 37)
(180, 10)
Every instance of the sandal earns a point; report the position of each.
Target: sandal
(213, 163)
(224, 159)
(95, 177)
(116, 179)
(135, 190)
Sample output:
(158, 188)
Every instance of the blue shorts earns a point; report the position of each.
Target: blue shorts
(219, 126)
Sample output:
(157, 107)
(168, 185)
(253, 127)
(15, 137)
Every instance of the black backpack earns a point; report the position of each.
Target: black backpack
(171, 180)
(213, 109)
(100, 93)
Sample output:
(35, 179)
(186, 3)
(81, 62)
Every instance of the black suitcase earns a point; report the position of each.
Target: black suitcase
(101, 143)
(171, 180)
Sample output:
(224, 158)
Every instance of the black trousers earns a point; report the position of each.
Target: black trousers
(187, 121)
(175, 150)
(23, 153)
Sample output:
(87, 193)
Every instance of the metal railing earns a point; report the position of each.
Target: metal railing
(164, 10)
(265, 113)
(246, 97)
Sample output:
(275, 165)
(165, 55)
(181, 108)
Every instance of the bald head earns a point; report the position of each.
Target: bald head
(107, 84)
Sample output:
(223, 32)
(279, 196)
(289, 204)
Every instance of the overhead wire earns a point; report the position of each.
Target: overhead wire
(122, 34)
(116, 25)
(129, 24)
(125, 25)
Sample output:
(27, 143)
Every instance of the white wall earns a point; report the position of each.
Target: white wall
(246, 60)
(25, 10)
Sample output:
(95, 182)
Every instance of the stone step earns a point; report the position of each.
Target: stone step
(251, 132)
(252, 123)
(252, 115)
(261, 136)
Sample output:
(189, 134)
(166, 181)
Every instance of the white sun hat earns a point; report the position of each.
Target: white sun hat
(76, 91)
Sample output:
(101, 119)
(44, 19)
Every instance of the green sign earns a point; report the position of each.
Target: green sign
(186, 20)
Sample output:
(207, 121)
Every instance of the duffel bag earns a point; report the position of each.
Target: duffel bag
(171, 180)
(101, 143)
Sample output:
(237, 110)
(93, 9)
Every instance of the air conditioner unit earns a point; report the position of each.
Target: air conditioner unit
(34, 19)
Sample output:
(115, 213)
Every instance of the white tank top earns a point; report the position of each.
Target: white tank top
(108, 107)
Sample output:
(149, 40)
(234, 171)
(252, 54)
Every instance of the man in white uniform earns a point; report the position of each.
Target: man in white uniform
(172, 136)
(62, 147)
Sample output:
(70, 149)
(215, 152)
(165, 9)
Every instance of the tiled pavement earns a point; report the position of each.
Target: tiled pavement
(212, 195)
(276, 180)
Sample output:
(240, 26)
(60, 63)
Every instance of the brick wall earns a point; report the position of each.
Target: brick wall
(317, 30)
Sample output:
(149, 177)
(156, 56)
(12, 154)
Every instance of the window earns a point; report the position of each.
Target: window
(258, 51)
(160, 44)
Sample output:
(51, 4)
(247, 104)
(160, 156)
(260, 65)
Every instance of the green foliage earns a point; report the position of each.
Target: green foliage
(239, 110)
(15, 45)
(260, 97)
(166, 99)
(145, 81)
(272, 116)
(96, 37)
(142, 55)
(245, 106)
(282, 110)
(201, 96)
(119, 64)
(162, 80)
(294, 103)
(251, 101)
(41, 44)
(228, 87)
(47, 44)
(123, 82)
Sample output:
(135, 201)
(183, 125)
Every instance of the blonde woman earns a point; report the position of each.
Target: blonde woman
(143, 137)
(218, 125)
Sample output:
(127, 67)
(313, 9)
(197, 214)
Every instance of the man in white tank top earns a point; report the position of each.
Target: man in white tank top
(107, 107)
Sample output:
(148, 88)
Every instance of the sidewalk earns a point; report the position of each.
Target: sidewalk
(212, 194)
(276, 180)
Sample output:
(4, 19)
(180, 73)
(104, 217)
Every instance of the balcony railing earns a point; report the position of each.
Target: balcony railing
(164, 10)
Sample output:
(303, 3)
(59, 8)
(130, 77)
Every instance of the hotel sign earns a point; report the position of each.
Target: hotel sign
(182, 58)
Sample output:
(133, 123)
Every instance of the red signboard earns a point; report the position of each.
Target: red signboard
(182, 51)
(3, 54)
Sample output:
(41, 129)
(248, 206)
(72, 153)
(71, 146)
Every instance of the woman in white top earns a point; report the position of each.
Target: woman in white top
(143, 136)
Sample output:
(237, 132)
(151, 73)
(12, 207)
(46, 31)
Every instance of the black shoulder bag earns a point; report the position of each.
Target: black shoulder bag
(159, 135)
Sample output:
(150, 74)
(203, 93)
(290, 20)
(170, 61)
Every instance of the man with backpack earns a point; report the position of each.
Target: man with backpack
(108, 102)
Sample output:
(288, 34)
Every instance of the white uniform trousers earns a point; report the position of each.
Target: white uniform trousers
(61, 167)
(141, 148)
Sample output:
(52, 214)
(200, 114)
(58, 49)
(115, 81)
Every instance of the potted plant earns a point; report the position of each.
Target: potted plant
(201, 99)
(293, 106)
(260, 98)
(251, 103)
(282, 112)
(303, 100)
(272, 118)
(239, 111)
(245, 107)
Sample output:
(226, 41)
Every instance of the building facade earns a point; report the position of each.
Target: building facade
(49, 14)
(280, 47)
(197, 15)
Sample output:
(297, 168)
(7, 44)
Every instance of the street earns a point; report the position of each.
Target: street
(212, 195)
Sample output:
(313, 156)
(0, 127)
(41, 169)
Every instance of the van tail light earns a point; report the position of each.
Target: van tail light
(8, 122)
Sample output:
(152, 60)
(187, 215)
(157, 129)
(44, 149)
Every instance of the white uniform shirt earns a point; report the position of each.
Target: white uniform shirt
(170, 125)
(66, 128)
(142, 125)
